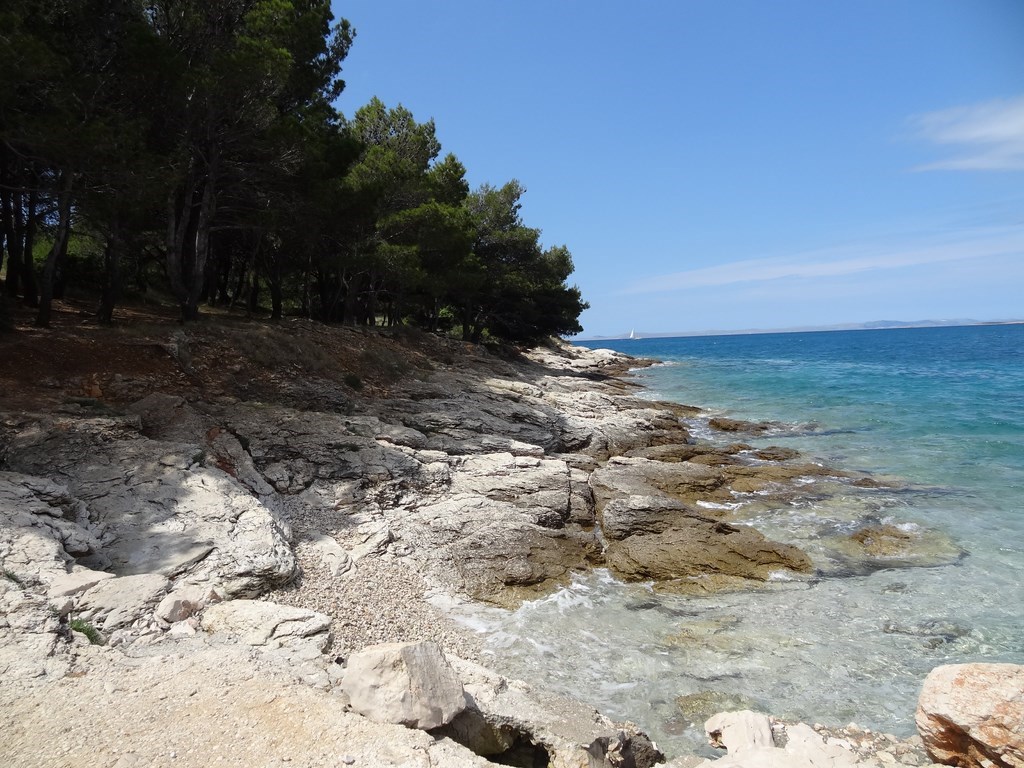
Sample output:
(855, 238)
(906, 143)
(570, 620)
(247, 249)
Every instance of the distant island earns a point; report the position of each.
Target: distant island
(872, 325)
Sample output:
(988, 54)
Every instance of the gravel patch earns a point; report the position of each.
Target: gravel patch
(381, 600)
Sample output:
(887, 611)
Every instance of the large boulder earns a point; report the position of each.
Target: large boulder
(972, 715)
(411, 684)
(699, 547)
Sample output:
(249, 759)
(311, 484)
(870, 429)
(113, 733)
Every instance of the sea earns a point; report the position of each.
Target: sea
(936, 416)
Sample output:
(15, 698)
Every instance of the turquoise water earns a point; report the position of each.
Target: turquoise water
(941, 410)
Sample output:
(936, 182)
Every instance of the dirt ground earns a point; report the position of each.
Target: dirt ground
(225, 353)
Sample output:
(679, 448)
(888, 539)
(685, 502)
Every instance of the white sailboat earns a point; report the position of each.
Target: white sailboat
(632, 334)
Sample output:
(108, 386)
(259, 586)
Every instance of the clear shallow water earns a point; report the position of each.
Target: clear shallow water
(940, 408)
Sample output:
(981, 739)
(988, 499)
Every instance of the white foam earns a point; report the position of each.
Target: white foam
(717, 505)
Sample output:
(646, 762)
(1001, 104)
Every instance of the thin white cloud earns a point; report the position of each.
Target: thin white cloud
(987, 136)
(839, 261)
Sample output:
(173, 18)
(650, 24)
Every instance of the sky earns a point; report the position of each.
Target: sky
(733, 164)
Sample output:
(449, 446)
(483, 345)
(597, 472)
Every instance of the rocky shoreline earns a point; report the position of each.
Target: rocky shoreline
(241, 543)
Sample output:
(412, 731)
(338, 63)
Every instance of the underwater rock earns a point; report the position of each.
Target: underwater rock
(724, 424)
(882, 545)
(697, 707)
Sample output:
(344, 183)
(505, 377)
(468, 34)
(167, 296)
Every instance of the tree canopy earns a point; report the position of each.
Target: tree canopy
(194, 149)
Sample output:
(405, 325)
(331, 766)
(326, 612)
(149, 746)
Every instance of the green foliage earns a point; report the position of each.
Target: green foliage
(87, 629)
(352, 380)
(192, 148)
(11, 576)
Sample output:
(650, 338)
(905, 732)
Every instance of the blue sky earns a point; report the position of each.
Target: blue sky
(720, 164)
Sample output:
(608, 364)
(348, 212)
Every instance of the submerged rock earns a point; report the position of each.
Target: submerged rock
(724, 424)
(697, 707)
(875, 546)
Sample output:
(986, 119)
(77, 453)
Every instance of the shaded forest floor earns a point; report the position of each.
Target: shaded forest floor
(225, 354)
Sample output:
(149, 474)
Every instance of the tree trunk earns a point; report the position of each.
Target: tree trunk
(307, 302)
(348, 316)
(112, 275)
(253, 304)
(467, 322)
(201, 252)
(5, 206)
(29, 290)
(276, 288)
(12, 216)
(372, 294)
(59, 247)
(179, 210)
(7, 221)
(189, 213)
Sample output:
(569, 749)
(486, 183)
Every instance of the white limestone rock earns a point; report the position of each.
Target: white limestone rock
(77, 581)
(509, 716)
(541, 487)
(739, 731)
(41, 525)
(751, 743)
(332, 554)
(160, 510)
(260, 623)
(121, 601)
(183, 602)
(411, 684)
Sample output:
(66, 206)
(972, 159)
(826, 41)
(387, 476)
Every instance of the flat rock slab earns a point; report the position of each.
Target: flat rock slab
(118, 602)
(76, 582)
(256, 622)
(136, 552)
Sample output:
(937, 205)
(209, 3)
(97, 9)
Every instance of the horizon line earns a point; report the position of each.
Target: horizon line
(873, 325)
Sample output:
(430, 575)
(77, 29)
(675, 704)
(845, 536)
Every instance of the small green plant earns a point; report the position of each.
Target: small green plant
(87, 629)
(8, 574)
(352, 380)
